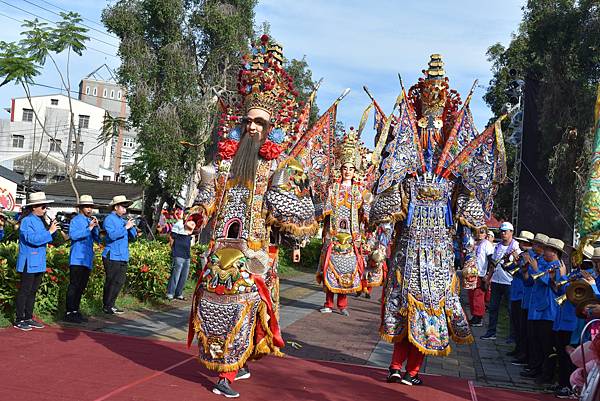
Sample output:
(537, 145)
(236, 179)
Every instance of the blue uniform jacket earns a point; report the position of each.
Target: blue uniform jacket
(33, 237)
(517, 288)
(565, 319)
(542, 305)
(526, 287)
(117, 238)
(82, 241)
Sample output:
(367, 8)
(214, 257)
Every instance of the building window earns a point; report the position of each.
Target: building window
(95, 91)
(87, 90)
(55, 145)
(27, 115)
(106, 178)
(112, 94)
(18, 141)
(84, 121)
(75, 148)
(128, 143)
(119, 95)
(104, 93)
(54, 102)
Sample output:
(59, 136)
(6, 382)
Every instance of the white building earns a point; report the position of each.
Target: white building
(101, 89)
(25, 144)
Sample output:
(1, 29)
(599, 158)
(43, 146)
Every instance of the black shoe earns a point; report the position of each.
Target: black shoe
(242, 374)
(368, 296)
(564, 392)
(117, 311)
(357, 295)
(22, 325)
(72, 317)
(394, 376)
(81, 317)
(488, 336)
(476, 321)
(108, 311)
(223, 388)
(518, 362)
(35, 324)
(411, 380)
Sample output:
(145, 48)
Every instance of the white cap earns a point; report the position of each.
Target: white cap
(506, 226)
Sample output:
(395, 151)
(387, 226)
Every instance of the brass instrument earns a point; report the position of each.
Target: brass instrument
(561, 283)
(515, 270)
(535, 276)
(560, 300)
(579, 291)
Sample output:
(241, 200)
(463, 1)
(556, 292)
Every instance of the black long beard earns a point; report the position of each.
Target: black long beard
(245, 161)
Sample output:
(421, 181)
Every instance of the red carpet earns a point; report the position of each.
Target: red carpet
(67, 364)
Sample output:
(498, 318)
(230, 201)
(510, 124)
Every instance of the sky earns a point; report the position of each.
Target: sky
(348, 43)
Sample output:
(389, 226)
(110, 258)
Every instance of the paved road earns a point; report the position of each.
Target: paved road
(334, 337)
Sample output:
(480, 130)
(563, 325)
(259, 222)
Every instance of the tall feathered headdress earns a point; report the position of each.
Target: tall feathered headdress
(263, 84)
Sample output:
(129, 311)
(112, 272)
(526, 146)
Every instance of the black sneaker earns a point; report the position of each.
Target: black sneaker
(476, 321)
(34, 324)
(411, 380)
(488, 336)
(242, 374)
(81, 317)
(117, 311)
(518, 362)
(394, 376)
(564, 392)
(108, 311)
(72, 317)
(22, 325)
(223, 388)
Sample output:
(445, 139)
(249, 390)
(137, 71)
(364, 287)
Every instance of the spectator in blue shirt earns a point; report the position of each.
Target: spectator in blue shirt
(83, 232)
(34, 234)
(181, 243)
(115, 256)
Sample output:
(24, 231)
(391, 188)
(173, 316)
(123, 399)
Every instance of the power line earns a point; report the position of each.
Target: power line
(87, 26)
(64, 9)
(52, 22)
(87, 47)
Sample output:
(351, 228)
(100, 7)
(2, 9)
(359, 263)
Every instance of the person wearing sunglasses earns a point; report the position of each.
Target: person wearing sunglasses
(34, 234)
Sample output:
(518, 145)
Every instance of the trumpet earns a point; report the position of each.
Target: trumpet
(535, 276)
(560, 300)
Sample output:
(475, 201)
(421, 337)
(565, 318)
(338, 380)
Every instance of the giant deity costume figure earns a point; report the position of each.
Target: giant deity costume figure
(346, 208)
(437, 171)
(255, 198)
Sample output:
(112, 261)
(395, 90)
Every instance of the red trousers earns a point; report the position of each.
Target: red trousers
(477, 300)
(342, 300)
(405, 351)
(228, 375)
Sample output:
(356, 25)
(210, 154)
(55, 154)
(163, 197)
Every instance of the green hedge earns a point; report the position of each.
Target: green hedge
(147, 276)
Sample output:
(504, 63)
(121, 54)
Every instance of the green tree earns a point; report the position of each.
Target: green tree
(176, 56)
(21, 62)
(556, 44)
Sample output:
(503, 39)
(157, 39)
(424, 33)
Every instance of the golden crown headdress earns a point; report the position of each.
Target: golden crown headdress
(349, 150)
(264, 84)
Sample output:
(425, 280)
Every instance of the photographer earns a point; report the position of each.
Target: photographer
(115, 256)
(83, 231)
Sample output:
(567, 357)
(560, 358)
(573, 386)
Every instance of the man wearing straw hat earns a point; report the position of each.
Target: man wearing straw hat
(34, 234)
(517, 291)
(542, 306)
(83, 231)
(115, 256)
